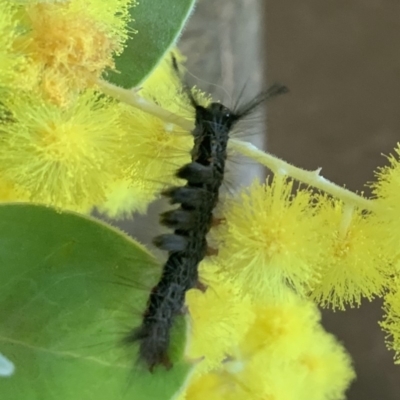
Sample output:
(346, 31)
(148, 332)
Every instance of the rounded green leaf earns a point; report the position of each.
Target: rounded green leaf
(158, 25)
(71, 287)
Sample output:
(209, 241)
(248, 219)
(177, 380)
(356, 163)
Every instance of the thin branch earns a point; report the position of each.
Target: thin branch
(131, 97)
(312, 178)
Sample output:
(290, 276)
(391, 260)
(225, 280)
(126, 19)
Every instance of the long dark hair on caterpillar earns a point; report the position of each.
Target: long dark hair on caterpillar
(191, 221)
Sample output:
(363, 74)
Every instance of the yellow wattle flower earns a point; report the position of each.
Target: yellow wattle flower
(314, 366)
(155, 149)
(219, 318)
(282, 328)
(269, 237)
(327, 368)
(69, 44)
(387, 193)
(65, 157)
(356, 260)
(391, 321)
(153, 152)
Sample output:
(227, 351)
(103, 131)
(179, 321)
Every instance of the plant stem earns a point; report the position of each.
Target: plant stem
(276, 165)
(131, 97)
(312, 178)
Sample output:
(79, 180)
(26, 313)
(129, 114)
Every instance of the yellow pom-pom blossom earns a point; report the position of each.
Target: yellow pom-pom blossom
(219, 318)
(355, 263)
(327, 368)
(391, 322)
(63, 157)
(386, 190)
(313, 367)
(282, 328)
(157, 149)
(269, 237)
(154, 151)
(70, 43)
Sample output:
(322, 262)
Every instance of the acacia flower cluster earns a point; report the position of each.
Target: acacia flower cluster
(257, 349)
(63, 142)
(71, 140)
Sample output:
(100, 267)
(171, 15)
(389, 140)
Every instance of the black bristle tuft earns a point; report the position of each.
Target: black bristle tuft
(171, 242)
(178, 219)
(187, 196)
(196, 173)
(275, 90)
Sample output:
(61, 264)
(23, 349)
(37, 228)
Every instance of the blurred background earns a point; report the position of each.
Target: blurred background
(341, 62)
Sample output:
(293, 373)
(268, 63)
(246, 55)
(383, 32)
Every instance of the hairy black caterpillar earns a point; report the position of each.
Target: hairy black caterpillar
(191, 221)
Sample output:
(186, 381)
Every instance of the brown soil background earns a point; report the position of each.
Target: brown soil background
(341, 61)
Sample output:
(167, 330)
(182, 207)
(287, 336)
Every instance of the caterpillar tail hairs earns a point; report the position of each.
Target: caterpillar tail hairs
(190, 222)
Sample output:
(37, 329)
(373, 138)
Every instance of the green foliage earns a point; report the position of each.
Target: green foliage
(63, 313)
(158, 25)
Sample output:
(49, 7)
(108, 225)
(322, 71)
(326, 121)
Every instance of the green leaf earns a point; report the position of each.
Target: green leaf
(158, 24)
(71, 287)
